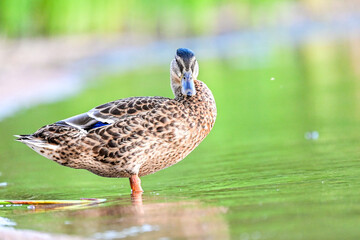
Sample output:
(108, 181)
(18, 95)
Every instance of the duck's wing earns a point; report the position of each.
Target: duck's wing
(111, 112)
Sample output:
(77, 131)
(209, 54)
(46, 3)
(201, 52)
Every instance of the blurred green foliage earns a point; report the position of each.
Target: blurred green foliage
(26, 18)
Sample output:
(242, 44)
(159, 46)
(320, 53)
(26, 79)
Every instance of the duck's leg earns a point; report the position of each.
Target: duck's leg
(135, 183)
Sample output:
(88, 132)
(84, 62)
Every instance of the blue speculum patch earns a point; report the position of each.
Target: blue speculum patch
(98, 124)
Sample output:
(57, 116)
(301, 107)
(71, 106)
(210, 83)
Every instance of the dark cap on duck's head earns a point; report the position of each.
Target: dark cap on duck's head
(185, 53)
(184, 70)
(185, 57)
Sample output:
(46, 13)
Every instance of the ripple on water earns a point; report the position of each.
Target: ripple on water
(5, 222)
(127, 232)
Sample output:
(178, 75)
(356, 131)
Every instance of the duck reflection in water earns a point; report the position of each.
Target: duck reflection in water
(152, 217)
(143, 216)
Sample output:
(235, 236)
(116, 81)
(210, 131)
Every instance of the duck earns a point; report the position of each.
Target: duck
(135, 136)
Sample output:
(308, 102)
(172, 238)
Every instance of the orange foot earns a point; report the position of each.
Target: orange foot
(135, 184)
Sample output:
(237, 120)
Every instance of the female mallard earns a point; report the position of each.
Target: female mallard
(134, 136)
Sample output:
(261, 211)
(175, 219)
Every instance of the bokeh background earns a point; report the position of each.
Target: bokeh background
(282, 161)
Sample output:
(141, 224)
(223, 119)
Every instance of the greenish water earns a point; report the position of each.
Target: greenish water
(256, 176)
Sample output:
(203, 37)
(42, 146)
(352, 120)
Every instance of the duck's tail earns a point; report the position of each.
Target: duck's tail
(39, 145)
(21, 138)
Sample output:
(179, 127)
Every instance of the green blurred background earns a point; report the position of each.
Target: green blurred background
(282, 161)
(31, 18)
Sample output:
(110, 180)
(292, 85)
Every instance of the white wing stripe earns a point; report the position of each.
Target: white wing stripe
(92, 113)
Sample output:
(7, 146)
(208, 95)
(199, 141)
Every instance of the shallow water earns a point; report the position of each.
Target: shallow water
(258, 175)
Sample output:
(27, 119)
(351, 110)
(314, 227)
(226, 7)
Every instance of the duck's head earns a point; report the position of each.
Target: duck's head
(184, 69)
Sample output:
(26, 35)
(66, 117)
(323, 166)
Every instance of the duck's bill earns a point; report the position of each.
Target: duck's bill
(187, 84)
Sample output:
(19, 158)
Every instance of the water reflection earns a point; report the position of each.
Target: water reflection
(143, 217)
(147, 219)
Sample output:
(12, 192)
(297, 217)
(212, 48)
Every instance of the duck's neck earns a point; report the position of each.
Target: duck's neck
(176, 90)
(201, 107)
(202, 101)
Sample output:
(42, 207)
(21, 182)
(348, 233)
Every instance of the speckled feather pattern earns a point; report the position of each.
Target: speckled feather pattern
(147, 134)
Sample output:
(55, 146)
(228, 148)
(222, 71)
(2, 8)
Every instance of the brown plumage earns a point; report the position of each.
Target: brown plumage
(134, 136)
